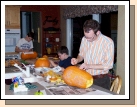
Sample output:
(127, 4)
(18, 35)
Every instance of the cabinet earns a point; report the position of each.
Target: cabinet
(51, 42)
(12, 17)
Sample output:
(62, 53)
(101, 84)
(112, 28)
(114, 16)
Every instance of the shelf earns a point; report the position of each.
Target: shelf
(51, 54)
(49, 40)
(52, 32)
(53, 42)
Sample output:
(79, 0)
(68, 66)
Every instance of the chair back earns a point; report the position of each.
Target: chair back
(116, 85)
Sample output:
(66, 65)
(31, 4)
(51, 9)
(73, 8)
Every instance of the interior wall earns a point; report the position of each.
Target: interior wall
(63, 27)
(46, 10)
(120, 70)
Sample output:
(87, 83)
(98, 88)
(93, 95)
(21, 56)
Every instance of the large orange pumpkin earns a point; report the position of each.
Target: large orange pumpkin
(31, 55)
(42, 62)
(74, 76)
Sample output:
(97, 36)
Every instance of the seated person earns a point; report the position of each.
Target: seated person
(65, 59)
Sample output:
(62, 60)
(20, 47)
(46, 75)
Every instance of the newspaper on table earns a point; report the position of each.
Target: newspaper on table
(68, 90)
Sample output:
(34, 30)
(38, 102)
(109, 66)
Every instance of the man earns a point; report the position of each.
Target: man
(97, 51)
(65, 59)
(25, 44)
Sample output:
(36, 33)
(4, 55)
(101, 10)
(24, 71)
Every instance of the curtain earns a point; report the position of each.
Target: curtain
(73, 11)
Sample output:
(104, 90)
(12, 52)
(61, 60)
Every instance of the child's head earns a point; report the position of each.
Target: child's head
(62, 52)
(30, 36)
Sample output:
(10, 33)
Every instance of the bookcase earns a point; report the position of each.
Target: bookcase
(51, 43)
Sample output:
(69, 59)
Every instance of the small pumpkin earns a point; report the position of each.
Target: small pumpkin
(42, 62)
(74, 76)
(38, 93)
(31, 55)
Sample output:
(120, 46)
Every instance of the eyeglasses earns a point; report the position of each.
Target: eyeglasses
(88, 37)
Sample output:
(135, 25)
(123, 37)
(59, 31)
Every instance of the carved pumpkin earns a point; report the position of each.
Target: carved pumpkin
(42, 62)
(30, 55)
(74, 76)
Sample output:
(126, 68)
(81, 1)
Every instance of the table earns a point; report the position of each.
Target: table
(42, 85)
(63, 90)
(99, 90)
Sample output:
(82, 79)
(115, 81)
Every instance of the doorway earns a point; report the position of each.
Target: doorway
(31, 22)
(108, 27)
(78, 33)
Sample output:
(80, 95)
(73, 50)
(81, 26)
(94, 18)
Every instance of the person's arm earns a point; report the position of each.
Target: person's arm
(79, 58)
(17, 49)
(62, 69)
(31, 50)
(52, 64)
(75, 61)
(92, 66)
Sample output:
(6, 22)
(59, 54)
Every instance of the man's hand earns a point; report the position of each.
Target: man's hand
(84, 66)
(74, 61)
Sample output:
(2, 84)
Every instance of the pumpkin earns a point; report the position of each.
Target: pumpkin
(45, 56)
(42, 62)
(74, 76)
(30, 55)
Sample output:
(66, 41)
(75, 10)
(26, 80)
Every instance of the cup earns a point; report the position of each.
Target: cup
(47, 39)
(57, 39)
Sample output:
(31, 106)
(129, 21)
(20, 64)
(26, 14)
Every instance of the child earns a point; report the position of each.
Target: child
(65, 59)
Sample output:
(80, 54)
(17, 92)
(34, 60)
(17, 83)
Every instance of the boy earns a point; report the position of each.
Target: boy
(65, 59)
(25, 44)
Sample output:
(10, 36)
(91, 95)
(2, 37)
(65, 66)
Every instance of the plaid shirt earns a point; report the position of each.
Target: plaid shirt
(100, 51)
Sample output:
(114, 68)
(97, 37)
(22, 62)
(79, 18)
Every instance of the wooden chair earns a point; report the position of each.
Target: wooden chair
(116, 85)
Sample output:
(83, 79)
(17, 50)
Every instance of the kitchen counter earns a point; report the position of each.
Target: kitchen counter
(11, 69)
(11, 53)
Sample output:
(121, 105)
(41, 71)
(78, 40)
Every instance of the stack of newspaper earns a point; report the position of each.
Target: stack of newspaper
(68, 90)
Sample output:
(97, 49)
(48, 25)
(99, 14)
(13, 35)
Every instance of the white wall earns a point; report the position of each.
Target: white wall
(120, 70)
